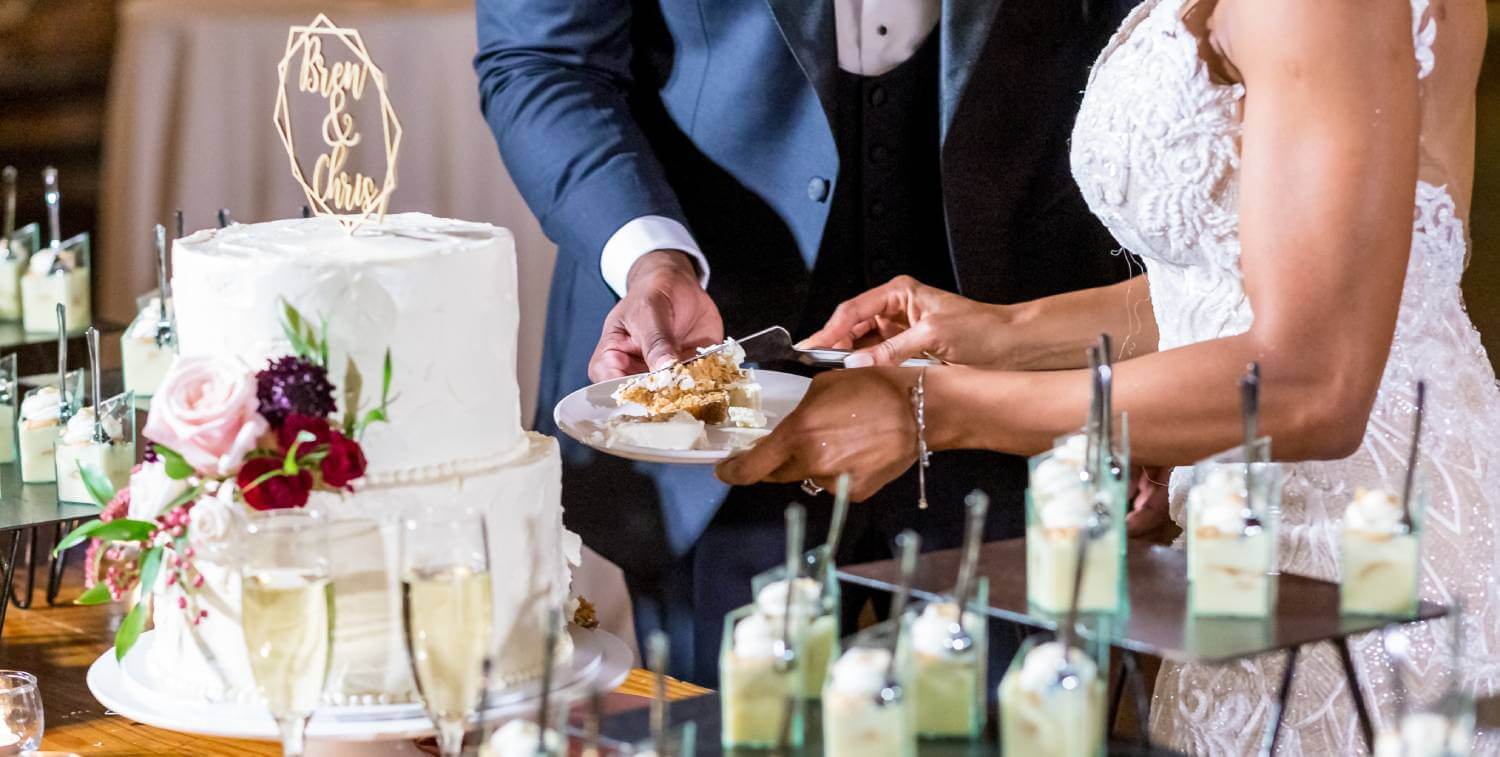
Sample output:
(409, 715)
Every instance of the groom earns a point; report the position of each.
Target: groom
(712, 167)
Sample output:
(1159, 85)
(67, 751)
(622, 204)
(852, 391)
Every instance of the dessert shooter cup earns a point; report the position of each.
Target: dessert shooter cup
(144, 357)
(820, 635)
(66, 283)
(19, 247)
(1231, 561)
(761, 704)
(1039, 715)
(1052, 531)
(1381, 568)
(950, 688)
(10, 403)
(1433, 713)
(77, 449)
(855, 722)
(36, 437)
(682, 741)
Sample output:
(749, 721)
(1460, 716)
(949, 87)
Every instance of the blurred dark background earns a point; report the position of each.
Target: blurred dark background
(55, 58)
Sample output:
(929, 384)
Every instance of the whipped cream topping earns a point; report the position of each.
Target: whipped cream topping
(42, 407)
(861, 670)
(1375, 511)
(1039, 671)
(1063, 470)
(41, 261)
(755, 637)
(1220, 500)
(518, 738)
(805, 594)
(746, 417)
(144, 326)
(932, 629)
(80, 428)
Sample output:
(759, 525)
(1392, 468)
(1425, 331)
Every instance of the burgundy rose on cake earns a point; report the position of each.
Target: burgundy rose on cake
(228, 441)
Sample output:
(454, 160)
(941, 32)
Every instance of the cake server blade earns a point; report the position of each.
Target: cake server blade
(774, 344)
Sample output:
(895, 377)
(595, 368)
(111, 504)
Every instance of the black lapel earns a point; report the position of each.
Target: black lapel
(965, 28)
(807, 26)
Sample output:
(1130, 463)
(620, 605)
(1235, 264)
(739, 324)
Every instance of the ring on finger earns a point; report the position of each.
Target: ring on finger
(811, 487)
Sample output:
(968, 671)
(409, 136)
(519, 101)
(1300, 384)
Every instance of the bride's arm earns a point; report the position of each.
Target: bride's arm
(905, 318)
(1328, 176)
(1329, 156)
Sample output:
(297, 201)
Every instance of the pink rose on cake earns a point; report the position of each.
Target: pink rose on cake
(206, 411)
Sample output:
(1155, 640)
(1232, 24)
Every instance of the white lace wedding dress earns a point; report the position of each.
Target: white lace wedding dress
(1156, 152)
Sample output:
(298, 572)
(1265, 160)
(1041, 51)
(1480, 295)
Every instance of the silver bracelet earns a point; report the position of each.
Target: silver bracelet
(924, 456)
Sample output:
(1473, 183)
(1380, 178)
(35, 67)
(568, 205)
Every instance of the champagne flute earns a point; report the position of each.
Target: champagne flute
(446, 606)
(286, 592)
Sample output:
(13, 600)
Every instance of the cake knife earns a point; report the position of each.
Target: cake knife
(774, 344)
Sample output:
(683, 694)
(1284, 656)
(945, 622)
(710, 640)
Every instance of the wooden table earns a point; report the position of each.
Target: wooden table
(57, 645)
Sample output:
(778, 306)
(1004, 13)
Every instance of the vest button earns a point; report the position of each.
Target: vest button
(817, 189)
(877, 95)
(878, 153)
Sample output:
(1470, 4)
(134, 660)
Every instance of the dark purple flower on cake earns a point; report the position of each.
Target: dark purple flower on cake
(293, 385)
(148, 455)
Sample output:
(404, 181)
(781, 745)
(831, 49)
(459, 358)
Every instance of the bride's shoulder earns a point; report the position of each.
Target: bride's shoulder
(1293, 37)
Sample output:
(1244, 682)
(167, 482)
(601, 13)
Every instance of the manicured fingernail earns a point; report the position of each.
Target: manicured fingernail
(859, 360)
(802, 345)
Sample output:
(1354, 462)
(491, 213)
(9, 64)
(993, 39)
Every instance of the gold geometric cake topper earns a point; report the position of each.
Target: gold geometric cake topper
(333, 191)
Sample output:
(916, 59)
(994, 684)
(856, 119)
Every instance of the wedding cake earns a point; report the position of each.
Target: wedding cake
(441, 295)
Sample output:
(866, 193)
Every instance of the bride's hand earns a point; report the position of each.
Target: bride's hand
(905, 318)
(854, 421)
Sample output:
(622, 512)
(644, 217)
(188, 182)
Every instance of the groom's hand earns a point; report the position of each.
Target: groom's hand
(664, 316)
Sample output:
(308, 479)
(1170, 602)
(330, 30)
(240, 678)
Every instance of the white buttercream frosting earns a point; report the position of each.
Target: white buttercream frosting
(151, 490)
(217, 519)
(1039, 670)
(441, 294)
(861, 670)
(42, 407)
(1219, 501)
(1375, 511)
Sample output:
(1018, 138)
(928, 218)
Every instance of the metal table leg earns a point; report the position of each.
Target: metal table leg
(22, 599)
(1278, 709)
(57, 564)
(1366, 728)
(8, 567)
(1142, 701)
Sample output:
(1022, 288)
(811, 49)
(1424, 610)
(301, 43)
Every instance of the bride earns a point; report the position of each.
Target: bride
(1262, 157)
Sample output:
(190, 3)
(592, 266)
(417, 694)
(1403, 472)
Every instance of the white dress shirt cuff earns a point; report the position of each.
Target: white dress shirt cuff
(640, 236)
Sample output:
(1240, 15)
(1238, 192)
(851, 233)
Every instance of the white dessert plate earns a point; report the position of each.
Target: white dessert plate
(583, 414)
(600, 660)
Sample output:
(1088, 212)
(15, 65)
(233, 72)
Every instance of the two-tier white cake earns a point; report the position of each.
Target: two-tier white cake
(442, 295)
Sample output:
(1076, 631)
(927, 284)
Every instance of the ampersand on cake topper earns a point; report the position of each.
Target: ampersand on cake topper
(355, 198)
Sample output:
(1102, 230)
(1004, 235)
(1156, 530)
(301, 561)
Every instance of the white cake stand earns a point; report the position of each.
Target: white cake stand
(600, 661)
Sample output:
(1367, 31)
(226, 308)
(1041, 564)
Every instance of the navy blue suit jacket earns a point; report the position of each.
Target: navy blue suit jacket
(717, 113)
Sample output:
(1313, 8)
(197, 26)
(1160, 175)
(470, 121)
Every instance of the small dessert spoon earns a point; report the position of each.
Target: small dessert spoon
(909, 543)
(1407, 525)
(959, 639)
(163, 323)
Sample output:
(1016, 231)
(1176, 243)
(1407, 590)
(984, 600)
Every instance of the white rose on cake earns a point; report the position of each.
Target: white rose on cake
(216, 517)
(151, 490)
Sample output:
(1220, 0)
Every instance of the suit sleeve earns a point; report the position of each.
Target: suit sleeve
(554, 82)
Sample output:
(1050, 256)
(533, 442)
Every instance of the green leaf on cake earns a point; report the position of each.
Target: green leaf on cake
(353, 385)
(176, 467)
(188, 495)
(98, 485)
(119, 529)
(150, 568)
(130, 629)
(323, 342)
(97, 594)
(385, 380)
